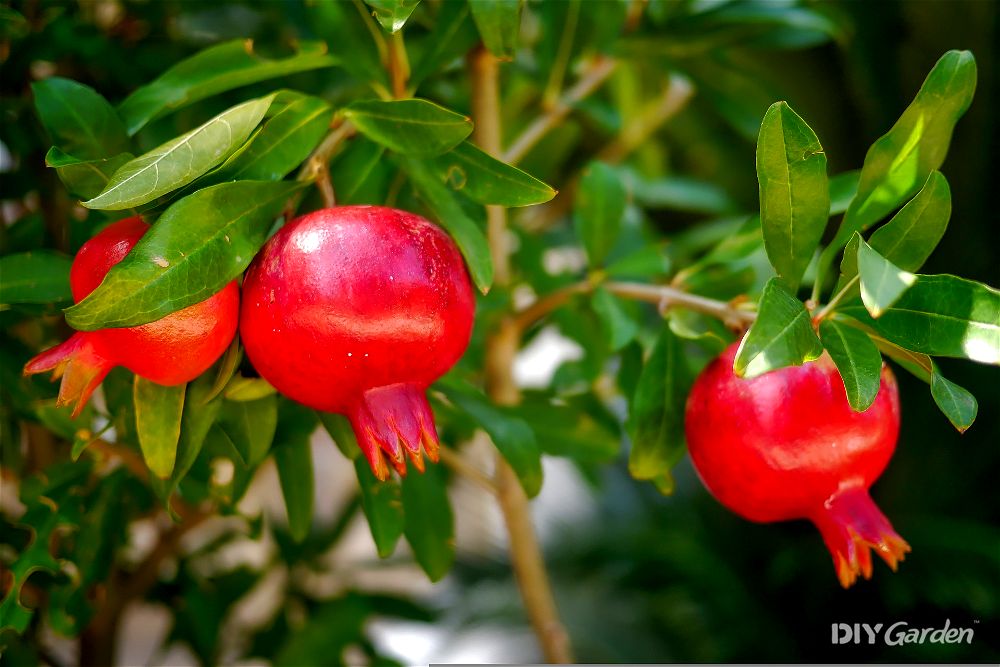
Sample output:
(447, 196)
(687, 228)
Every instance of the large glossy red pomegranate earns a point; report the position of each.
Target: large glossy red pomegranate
(356, 310)
(170, 351)
(787, 445)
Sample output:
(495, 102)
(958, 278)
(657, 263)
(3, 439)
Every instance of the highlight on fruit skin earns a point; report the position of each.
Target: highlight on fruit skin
(170, 351)
(787, 445)
(357, 310)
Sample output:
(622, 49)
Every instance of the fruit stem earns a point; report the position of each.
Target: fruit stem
(501, 347)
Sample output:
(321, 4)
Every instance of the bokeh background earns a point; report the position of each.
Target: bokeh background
(638, 576)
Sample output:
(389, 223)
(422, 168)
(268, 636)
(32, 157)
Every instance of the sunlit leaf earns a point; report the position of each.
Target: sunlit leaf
(85, 178)
(392, 14)
(411, 127)
(858, 360)
(158, 411)
(882, 282)
(782, 335)
(487, 180)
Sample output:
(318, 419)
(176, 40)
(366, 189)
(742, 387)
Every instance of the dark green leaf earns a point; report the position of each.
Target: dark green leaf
(656, 412)
(354, 167)
(598, 209)
(382, 503)
(250, 426)
(392, 14)
(411, 127)
(794, 192)
(570, 429)
(158, 411)
(488, 180)
(226, 370)
(680, 193)
(449, 214)
(293, 456)
(511, 435)
(843, 188)
(453, 35)
(619, 327)
(340, 430)
(957, 404)
(428, 523)
(41, 276)
(201, 243)
(78, 119)
(181, 160)
(898, 164)
(85, 178)
(942, 315)
(216, 69)
(882, 282)
(858, 360)
(499, 23)
(782, 335)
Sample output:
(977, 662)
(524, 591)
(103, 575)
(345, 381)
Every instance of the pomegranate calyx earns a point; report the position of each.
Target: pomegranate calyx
(78, 363)
(394, 421)
(851, 525)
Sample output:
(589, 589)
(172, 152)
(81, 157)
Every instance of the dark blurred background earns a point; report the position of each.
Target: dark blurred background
(646, 577)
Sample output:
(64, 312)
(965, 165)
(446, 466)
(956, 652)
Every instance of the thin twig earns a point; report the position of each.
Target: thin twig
(457, 462)
(526, 317)
(838, 297)
(599, 70)
(399, 65)
(665, 297)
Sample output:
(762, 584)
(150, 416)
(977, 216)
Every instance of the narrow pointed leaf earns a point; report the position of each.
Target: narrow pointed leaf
(843, 188)
(782, 335)
(392, 14)
(78, 119)
(487, 180)
(858, 360)
(656, 412)
(340, 430)
(216, 69)
(882, 282)
(598, 209)
(158, 411)
(293, 457)
(382, 503)
(957, 404)
(428, 523)
(619, 327)
(794, 192)
(85, 178)
(181, 160)
(411, 127)
(499, 23)
(449, 214)
(345, 28)
(250, 426)
(452, 36)
(201, 243)
(354, 167)
(39, 276)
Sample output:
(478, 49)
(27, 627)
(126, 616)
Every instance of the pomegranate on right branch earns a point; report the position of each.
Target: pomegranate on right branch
(787, 445)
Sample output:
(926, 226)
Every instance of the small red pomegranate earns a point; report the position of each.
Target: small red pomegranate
(356, 310)
(170, 351)
(787, 445)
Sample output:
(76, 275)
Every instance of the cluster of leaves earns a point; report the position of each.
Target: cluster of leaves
(215, 154)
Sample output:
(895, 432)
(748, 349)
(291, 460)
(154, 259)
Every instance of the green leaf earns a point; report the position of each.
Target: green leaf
(158, 411)
(882, 282)
(85, 178)
(181, 160)
(571, 429)
(942, 315)
(598, 209)
(293, 456)
(957, 404)
(911, 236)
(39, 276)
(511, 435)
(449, 214)
(348, 30)
(283, 143)
(843, 188)
(499, 23)
(382, 503)
(898, 164)
(656, 412)
(250, 426)
(782, 335)
(680, 193)
(452, 36)
(201, 243)
(241, 388)
(428, 523)
(392, 14)
(341, 432)
(487, 180)
(858, 360)
(216, 69)
(354, 166)
(619, 327)
(794, 191)
(78, 119)
(411, 127)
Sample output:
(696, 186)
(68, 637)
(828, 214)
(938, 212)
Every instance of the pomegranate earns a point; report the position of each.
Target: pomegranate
(787, 445)
(356, 310)
(170, 351)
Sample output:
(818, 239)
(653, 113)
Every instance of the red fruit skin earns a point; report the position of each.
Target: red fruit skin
(356, 310)
(787, 445)
(170, 351)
